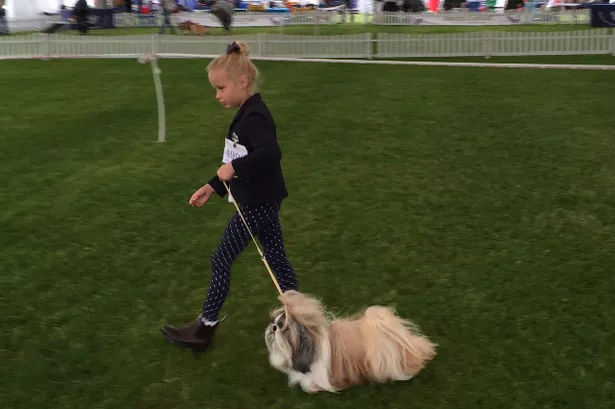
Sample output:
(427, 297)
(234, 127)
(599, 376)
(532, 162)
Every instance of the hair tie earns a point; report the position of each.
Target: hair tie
(233, 48)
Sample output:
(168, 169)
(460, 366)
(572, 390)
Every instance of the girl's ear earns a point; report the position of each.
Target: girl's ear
(243, 81)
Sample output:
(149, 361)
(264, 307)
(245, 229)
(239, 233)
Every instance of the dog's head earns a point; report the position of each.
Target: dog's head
(185, 25)
(294, 331)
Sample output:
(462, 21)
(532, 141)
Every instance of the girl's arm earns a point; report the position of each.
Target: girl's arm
(217, 185)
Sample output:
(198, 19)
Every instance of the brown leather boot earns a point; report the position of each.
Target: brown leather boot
(196, 336)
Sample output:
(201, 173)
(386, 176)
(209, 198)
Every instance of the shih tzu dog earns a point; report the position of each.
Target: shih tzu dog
(321, 353)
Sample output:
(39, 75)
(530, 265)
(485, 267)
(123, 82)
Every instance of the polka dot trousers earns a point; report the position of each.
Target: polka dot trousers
(265, 226)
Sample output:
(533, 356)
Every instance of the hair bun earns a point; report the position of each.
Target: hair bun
(238, 47)
(243, 48)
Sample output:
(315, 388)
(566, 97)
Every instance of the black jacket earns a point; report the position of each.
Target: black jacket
(81, 9)
(259, 175)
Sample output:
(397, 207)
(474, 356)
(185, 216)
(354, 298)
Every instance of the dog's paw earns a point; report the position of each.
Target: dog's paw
(309, 389)
(293, 379)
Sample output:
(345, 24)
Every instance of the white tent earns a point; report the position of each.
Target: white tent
(365, 6)
(32, 9)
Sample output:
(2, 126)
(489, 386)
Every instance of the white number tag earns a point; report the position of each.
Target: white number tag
(232, 151)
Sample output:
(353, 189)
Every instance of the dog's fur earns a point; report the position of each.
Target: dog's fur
(185, 25)
(193, 27)
(321, 353)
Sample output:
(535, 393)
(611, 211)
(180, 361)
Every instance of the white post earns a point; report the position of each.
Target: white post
(159, 96)
(487, 44)
(48, 41)
(42, 45)
(160, 101)
(262, 44)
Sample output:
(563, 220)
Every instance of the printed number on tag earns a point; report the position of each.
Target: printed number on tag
(233, 151)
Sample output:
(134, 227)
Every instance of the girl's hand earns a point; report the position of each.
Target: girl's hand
(201, 196)
(226, 172)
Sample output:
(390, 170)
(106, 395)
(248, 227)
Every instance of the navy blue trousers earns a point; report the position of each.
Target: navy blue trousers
(265, 225)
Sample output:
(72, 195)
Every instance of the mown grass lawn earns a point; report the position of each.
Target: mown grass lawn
(477, 202)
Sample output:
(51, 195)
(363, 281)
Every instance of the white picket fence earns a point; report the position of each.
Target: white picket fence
(495, 43)
(270, 45)
(366, 45)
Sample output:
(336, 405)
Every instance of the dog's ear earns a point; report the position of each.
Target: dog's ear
(305, 351)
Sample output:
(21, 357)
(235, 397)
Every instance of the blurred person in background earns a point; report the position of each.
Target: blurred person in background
(4, 25)
(223, 10)
(80, 12)
(167, 7)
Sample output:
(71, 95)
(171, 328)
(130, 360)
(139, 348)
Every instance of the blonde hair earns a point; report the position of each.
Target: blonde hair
(236, 62)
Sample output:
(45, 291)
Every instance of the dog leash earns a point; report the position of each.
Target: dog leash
(275, 281)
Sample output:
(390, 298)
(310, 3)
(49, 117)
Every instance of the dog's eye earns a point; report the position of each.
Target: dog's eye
(274, 328)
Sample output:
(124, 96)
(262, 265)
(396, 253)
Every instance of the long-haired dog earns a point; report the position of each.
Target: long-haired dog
(321, 353)
(194, 28)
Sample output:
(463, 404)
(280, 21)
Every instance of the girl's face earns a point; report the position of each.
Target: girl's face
(228, 92)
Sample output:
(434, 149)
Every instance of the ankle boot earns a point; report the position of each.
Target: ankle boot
(196, 336)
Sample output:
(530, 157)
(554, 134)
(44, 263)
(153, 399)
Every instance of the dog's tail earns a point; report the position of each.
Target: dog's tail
(395, 347)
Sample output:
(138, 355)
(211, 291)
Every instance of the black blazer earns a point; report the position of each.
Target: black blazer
(259, 175)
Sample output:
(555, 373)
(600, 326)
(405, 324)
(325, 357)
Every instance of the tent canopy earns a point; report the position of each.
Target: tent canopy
(31, 9)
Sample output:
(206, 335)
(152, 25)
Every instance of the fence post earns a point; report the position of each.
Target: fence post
(41, 44)
(155, 43)
(45, 49)
(376, 45)
(613, 42)
(262, 44)
(369, 44)
(487, 44)
(50, 45)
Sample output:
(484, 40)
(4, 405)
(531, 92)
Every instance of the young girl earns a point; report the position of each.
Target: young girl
(252, 168)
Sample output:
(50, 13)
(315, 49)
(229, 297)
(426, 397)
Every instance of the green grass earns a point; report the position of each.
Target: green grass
(603, 59)
(477, 202)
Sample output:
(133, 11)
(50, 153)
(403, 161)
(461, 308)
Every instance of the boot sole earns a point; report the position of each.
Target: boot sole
(195, 348)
